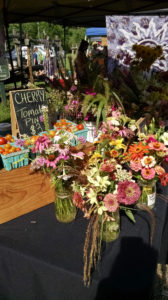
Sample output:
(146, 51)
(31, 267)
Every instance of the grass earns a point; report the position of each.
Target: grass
(5, 112)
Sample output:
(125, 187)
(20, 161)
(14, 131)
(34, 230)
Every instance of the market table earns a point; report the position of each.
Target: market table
(42, 259)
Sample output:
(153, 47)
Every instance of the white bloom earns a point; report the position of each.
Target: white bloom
(44, 108)
(101, 209)
(148, 161)
(114, 122)
(92, 196)
(133, 127)
(123, 175)
(164, 138)
(82, 191)
(56, 138)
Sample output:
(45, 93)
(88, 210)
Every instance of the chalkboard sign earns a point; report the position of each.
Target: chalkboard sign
(26, 109)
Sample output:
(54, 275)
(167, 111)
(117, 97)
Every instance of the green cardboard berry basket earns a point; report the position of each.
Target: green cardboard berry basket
(15, 160)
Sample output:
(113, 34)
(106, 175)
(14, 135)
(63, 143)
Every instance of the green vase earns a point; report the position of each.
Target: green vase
(65, 210)
(111, 229)
(148, 193)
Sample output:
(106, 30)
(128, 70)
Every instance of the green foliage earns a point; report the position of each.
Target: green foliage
(40, 30)
(102, 101)
(5, 112)
(130, 215)
(56, 100)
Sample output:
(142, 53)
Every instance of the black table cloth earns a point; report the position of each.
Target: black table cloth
(42, 259)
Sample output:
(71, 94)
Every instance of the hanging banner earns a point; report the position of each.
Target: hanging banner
(125, 31)
(4, 71)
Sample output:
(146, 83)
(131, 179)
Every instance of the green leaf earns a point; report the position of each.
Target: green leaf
(99, 112)
(130, 215)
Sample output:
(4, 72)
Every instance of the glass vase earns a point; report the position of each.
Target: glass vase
(148, 193)
(65, 210)
(111, 229)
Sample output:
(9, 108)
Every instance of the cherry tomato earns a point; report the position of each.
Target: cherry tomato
(80, 126)
(7, 146)
(1, 150)
(2, 140)
(8, 137)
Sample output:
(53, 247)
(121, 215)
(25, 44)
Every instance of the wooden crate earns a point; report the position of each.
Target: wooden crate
(22, 192)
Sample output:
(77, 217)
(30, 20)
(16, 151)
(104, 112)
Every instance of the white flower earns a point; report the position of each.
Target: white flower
(164, 138)
(82, 191)
(133, 127)
(44, 108)
(101, 209)
(123, 175)
(56, 138)
(92, 196)
(114, 122)
(148, 161)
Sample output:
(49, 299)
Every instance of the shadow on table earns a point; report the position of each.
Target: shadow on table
(132, 274)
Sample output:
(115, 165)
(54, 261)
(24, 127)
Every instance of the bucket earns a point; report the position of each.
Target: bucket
(91, 131)
(5, 128)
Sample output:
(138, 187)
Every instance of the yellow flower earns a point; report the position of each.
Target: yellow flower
(118, 144)
(94, 157)
(114, 153)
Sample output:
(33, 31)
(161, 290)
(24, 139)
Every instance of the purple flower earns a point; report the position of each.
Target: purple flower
(66, 107)
(61, 149)
(79, 155)
(82, 139)
(73, 88)
(20, 142)
(41, 143)
(42, 118)
(79, 115)
(90, 92)
(75, 102)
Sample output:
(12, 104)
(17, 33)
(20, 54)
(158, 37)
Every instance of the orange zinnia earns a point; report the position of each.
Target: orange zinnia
(137, 150)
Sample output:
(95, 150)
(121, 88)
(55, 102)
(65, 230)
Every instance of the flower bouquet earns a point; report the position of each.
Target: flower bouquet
(108, 187)
(145, 158)
(55, 156)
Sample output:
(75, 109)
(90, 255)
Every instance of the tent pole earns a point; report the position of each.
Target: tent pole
(21, 58)
(8, 42)
(65, 45)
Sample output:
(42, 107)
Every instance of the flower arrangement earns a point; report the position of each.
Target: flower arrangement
(123, 158)
(145, 158)
(108, 186)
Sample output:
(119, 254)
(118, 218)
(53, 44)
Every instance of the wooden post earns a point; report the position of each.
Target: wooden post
(14, 123)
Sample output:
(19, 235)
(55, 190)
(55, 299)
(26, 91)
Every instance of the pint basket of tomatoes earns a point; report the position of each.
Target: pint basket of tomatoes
(12, 156)
(79, 130)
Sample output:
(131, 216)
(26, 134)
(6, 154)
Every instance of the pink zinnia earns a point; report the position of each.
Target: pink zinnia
(151, 138)
(107, 167)
(77, 200)
(159, 170)
(157, 146)
(136, 165)
(110, 202)
(128, 192)
(148, 173)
